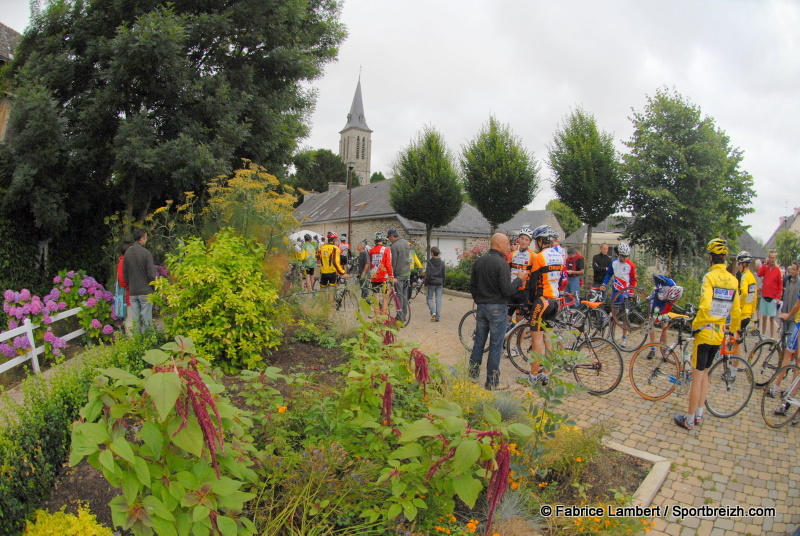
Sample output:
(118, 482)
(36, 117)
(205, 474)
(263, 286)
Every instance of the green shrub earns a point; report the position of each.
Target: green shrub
(457, 280)
(83, 524)
(35, 440)
(220, 297)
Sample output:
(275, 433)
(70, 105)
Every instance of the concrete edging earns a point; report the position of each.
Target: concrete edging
(652, 483)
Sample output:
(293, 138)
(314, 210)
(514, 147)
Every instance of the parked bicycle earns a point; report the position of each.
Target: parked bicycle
(785, 408)
(588, 313)
(656, 370)
(415, 283)
(765, 358)
(595, 362)
(348, 298)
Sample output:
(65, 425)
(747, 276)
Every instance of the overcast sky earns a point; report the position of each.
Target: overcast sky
(529, 62)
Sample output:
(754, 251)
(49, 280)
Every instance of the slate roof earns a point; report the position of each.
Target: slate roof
(9, 38)
(748, 243)
(785, 223)
(612, 224)
(356, 118)
(527, 218)
(469, 221)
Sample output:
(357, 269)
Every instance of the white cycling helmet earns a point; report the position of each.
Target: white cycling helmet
(624, 249)
(545, 233)
(525, 231)
(674, 293)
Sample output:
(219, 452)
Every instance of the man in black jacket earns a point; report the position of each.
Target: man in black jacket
(434, 280)
(491, 287)
(600, 264)
(139, 272)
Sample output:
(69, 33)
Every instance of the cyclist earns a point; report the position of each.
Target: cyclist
(748, 289)
(545, 274)
(520, 260)
(344, 249)
(789, 353)
(623, 272)
(718, 300)
(665, 294)
(309, 261)
(330, 268)
(381, 273)
(512, 240)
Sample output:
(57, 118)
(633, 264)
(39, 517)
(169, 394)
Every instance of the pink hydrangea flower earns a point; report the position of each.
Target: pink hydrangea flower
(68, 282)
(62, 305)
(49, 337)
(91, 302)
(25, 294)
(96, 323)
(108, 330)
(7, 350)
(57, 279)
(13, 324)
(47, 320)
(9, 295)
(36, 307)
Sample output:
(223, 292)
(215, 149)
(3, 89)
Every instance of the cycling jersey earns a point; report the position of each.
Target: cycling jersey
(329, 260)
(380, 261)
(546, 273)
(344, 247)
(748, 293)
(311, 254)
(521, 261)
(623, 272)
(718, 300)
(657, 305)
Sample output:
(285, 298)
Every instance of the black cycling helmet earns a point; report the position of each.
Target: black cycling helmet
(307, 238)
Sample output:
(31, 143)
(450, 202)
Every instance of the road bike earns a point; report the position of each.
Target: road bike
(780, 411)
(589, 313)
(765, 358)
(656, 370)
(468, 324)
(415, 283)
(630, 318)
(348, 298)
(595, 362)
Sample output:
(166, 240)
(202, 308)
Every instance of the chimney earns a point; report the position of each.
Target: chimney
(336, 187)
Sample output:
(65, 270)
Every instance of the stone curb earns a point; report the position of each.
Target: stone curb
(457, 293)
(652, 483)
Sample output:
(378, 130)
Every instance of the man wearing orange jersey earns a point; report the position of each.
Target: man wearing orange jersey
(520, 260)
(548, 265)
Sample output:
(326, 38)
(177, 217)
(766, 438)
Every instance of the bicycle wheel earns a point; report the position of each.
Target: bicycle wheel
(654, 375)
(730, 386)
(345, 300)
(601, 369)
(764, 359)
(770, 405)
(597, 323)
(466, 331)
(519, 347)
(399, 308)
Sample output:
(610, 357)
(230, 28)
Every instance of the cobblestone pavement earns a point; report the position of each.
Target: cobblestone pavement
(736, 461)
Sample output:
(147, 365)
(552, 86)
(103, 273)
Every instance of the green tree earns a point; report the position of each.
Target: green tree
(684, 181)
(565, 216)
(314, 169)
(425, 187)
(787, 246)
(153, 99)
(500, 175)
(377, 177)
(586, 170)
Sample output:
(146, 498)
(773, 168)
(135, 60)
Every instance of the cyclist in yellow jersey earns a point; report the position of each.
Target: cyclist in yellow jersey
(718, 300)
(330, 265)
(748, 288)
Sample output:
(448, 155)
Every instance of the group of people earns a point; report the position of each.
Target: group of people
(135, 273)
(379, 265)
(511, 280)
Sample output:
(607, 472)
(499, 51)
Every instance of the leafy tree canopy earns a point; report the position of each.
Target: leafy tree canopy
(314, 169)
(787, 246)
(130, 102)
(565, 216)
(377, 177)
(425, 187)
(683, 178)
(500, 175)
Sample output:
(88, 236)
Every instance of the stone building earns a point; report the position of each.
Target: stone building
(8, 43)
(355, 141)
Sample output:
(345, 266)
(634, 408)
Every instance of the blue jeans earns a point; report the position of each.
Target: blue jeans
(435, 291)
(491, 324)
(142, 311)
(574, 288)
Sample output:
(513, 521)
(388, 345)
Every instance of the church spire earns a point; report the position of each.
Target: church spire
(356, 119)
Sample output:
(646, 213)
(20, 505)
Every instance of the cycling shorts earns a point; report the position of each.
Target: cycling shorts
(309, 271)
(791, 343)
(703, 355)
(328, 280)
(543, 312)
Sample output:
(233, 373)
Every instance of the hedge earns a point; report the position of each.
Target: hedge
(35, 443)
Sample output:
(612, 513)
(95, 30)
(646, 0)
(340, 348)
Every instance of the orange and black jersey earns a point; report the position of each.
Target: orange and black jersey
(521, 261)
(546, 273)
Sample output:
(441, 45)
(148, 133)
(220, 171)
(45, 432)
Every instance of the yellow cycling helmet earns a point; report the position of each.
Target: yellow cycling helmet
(718, 246)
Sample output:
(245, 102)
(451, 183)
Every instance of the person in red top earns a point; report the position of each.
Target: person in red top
(122, 294)
(380, 261)
(771, 292)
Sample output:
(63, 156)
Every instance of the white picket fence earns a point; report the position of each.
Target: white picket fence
(27, 328)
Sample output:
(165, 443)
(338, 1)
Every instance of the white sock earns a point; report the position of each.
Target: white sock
(690, 420)
(699, 413)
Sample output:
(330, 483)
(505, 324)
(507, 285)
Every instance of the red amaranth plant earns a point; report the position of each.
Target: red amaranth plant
(420, 368)
(200, 399)
(498, 483)
(388, 400)
(388, 335)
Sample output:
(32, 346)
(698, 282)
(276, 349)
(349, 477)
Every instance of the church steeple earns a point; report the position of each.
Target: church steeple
(355, 140)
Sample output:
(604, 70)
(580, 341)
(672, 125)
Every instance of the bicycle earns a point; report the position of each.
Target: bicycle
(469, 323)
(415, 283)
(751, 336)
(595, 362)
(656, 371)
(588, 315)
(630, 311)
(765, 358)
(788, 409)
(346, 299)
